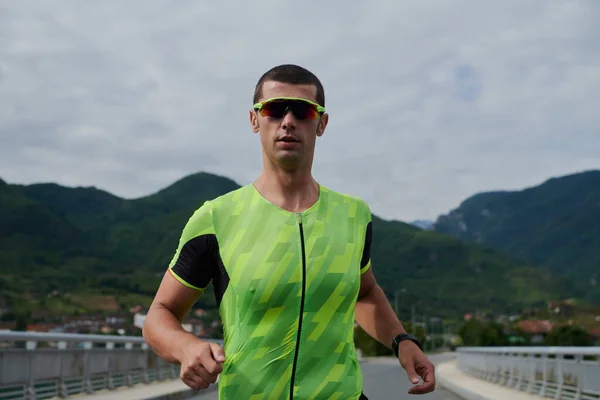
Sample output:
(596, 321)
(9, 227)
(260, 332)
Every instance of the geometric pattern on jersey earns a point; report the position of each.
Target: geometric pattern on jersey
(291, 284)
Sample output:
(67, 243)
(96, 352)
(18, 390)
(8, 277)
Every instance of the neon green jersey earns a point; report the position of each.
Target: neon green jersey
(286, 285)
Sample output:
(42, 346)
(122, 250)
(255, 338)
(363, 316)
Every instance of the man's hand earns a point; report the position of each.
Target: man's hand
(416, 365)
(201, 363)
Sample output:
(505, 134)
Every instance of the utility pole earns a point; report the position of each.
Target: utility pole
(425, 332)
(413, 321)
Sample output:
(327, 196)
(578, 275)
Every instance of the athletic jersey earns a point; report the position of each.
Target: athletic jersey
(286, 285)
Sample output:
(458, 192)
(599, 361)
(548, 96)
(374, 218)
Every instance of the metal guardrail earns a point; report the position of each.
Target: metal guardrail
(48, 365)
(553, 372)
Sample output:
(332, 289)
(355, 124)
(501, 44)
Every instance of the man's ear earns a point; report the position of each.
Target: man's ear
(322, 124)
(254, 121)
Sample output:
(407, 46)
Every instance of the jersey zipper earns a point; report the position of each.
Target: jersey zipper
(301, 305)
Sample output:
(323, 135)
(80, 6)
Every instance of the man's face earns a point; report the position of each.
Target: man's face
(288, 141)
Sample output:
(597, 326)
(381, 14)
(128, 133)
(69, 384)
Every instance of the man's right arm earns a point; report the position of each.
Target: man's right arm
(190, 270)
(162, 328)
(201, 361)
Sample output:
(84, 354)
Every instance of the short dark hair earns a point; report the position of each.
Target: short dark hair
(292, 74)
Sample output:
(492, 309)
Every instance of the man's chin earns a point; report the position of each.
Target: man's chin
(289, 160)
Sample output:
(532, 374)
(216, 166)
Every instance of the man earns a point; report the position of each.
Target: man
(291, 268)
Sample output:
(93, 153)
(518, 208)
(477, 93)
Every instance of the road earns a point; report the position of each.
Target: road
(384, 379)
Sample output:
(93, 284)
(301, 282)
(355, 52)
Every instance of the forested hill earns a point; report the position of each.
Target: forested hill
(63, 239)
(555, 224)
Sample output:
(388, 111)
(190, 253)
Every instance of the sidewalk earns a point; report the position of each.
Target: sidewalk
(170, 390)
(471, 388)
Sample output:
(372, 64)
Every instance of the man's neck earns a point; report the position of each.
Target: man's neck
(294, 191)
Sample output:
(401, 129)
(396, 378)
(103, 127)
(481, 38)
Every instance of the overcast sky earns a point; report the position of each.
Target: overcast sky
(430, 101)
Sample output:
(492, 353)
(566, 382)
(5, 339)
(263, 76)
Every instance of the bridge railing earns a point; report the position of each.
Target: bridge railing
(45, 365)
(553, 372)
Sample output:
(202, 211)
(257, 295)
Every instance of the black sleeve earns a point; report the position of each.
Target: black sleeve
(198, 261)
(366, 256)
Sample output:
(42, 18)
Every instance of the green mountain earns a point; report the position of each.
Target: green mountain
(32, 234)
(555, 225)
(85, 240)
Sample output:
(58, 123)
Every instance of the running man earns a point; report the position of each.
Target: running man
(290, 263)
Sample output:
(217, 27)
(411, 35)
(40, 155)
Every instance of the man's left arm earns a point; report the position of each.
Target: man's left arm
(374, 313)
(376, 317)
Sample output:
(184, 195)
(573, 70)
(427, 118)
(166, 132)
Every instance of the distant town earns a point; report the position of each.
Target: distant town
(533, 324)
(200, 322)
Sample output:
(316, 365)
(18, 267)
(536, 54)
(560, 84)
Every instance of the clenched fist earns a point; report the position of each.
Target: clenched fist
(201, 364)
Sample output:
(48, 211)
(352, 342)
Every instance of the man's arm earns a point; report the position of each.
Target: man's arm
(375, 316)
(201, 361)
(374, 313)
(191, 269)
(162, 328)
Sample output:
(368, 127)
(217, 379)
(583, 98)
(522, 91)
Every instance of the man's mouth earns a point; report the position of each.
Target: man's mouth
(288, 139)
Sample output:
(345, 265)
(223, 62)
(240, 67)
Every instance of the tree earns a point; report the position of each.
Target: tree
(369, 346)
(567, 335)
(478, 333)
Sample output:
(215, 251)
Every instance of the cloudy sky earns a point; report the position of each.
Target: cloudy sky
(430, 101)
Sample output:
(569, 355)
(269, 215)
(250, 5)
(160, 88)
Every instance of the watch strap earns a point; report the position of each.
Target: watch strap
(404, 336)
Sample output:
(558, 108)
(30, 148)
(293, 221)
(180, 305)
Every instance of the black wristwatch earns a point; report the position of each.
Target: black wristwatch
(404, 336)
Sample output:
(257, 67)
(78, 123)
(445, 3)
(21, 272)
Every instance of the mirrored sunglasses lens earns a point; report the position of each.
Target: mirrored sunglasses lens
(299, 109)
(304, 111)
(274, 110)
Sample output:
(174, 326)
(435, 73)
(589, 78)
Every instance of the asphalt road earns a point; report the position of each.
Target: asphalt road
(384, 379)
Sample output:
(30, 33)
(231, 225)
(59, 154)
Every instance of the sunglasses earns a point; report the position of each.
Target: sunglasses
(301, 108)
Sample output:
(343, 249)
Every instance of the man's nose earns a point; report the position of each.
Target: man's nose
(288, 121)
